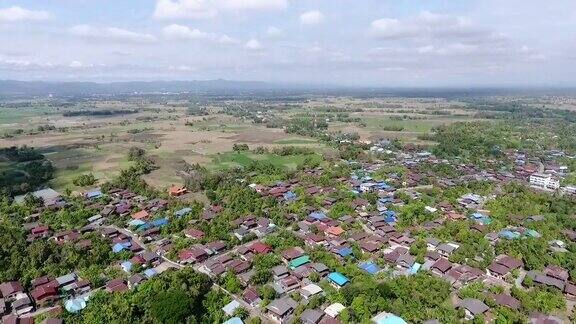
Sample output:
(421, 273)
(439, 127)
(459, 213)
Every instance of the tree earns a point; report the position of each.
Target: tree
(240, 147)
(84, 180)
(172, 306)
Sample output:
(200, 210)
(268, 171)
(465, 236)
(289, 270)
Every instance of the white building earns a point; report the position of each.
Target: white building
(544, 181)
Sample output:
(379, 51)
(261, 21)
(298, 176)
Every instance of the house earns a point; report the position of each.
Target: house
(334, 309)
(369, 266)
(216, 247)
(260, 248)
(300, 261)
(250, 296)
(231, 307)
(503, 265)
(334, 231)
(182, 212)
(320, 268)
(281, 309)
(505, 300)
(387, 318)
(94, 194)
(311, 316)
(176, 191)
(10, 289)
(337, 280)
(116, 285)
(472, 307)
(280, 272)
(544, 181)
(46, 294)
(141, 215)
(292, 253)
(446, 249)
(194, 254)
(135, 280)
(441, 267)
(289, 283)
(310, 290)
(22, 304)
(193, 233)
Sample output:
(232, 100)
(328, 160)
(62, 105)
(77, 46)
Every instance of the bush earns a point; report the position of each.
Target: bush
(84, 180)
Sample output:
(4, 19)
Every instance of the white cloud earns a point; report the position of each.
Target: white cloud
(199, 9)
(427, 25)
(79, 65)
(274, 32)
(15, 13)
(253, 44)
(111, 34)
(312, 17)
(225, 39)
(181, 68)
(176, 31)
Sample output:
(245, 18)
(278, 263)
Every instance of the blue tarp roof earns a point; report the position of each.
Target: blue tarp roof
(234, 320)
(159, 222)
(345, 251)
(149, 273)
(508, 234)
(391, 319)
(369, 267)
(136, 222)
(126, 266)
(94, 194)
(118, 247)
(289, 195)
(415, 267)
(318, 215)
(338, 278)
(182, 212)
(76, 304)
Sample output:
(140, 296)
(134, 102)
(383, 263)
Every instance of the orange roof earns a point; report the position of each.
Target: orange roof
(177, 188)
(334, 230)
(141, 214)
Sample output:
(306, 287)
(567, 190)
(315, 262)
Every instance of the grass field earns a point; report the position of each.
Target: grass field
(242, 159)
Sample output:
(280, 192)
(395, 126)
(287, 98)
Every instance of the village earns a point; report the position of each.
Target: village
(291, 266)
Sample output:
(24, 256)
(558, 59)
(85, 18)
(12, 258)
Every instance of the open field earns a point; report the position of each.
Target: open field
(98, 144)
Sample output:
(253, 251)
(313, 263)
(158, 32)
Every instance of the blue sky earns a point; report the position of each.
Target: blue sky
(345, 42)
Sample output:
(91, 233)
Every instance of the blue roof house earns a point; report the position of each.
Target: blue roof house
(508, 234)
(481, 218)
(94, 194)
(318, 215)
(136, 222)
(234, 320)
(182, 212)
(344, 251)
(126, 266)
(290, 196)
(160, 222)
(149, 273)
(337, 280)
(369, 266)
(119, 247)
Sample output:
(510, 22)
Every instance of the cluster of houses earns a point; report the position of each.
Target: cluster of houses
(376, 237)
(45, 291)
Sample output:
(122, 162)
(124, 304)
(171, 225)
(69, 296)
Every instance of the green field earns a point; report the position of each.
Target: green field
(296, 141)
(242, 159)
(416, 125)
(20, 115)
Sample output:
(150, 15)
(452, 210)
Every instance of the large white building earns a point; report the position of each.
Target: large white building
(544, 181)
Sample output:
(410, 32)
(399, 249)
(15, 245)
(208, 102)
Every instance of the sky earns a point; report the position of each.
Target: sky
(382, 43)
